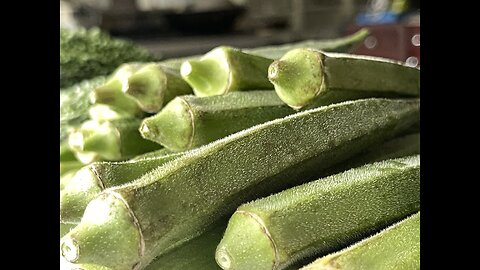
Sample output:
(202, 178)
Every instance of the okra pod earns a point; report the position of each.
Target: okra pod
(109, 140)
(189, 121)
(341, 45)
(180, 200)
(89, 181)
(396, 247)
(226, 69)
(320, 216)
(112, 92)
(102, 112)
(154, 85)
(303, 76)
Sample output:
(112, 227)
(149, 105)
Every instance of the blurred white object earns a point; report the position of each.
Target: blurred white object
(66, 16)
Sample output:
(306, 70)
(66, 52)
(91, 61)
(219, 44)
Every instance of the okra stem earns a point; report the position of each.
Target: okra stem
(396, 247)
(109, 140)
(89, 181)
(154, 85)
(320, 216)
(180, 200)
(226, 69)
(303, 75)
(189, 121)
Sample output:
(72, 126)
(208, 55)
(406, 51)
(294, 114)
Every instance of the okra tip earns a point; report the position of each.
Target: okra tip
(172, 127)
(253, 249)
(298, 76)
(108, 235)
(209, 75)
(96, 137)
(147, 86)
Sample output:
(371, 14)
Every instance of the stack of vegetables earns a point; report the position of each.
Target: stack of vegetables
(297, 156)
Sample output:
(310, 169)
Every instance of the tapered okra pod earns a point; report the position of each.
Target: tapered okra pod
(128, 226)
(112, 92)
(320, 216)
(226, 69)
(302, 76)
(154, 85)
(109, 140)
(396, 247)
(89, 181)
(341, 45)
(189, 121)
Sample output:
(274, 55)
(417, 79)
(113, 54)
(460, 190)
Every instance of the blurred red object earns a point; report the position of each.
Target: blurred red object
(395, 41)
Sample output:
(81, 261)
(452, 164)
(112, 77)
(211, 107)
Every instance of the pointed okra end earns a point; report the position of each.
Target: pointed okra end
(108, 235)
(172, 127)
(208, 76)
(246, 244)
(147, 86)
(74, 198)
(95, 138)
(298, 76)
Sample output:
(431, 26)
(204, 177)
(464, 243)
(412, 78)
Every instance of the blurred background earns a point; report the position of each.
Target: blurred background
(174, 28)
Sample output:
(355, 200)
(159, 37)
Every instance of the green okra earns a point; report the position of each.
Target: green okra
(320, 216)
(92, 179)
(130, 225)
(189, 121)
(154, 85)
(109, 140)
(196, 254)
(112, 92)
(303, 76)
(341, 45)
(226, 69)
(396, 247)
(102, 112)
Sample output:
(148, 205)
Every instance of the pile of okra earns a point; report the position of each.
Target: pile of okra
(296, 156)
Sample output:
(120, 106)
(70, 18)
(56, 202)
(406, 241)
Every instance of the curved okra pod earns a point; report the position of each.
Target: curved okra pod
(154, 85)
(396, 247)
(340, 45)
(303, 76)
(109, 140)
(226, 69)
(188, 121)
(180, 200)
(92, 179)
(112, 92)
(320, 216)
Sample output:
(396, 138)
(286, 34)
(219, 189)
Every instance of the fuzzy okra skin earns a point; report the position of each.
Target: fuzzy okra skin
(92, 179)
(109, 140)
(341, 45)
(394, 248)
(189, 121)
(178, 201)
(303, 76)
(320, 216)
(154, 85)
(226, 69)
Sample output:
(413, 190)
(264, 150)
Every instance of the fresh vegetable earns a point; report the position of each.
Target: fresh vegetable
(341, 45)
(112, 92)
(109, 140)
(85, 54)
(303, 76)
(320, 216)
(396, 247)
(89, 181)
(102, 112)
(154, 85)
(189, 121)
(74, 104)
(226, 69)
(130, 225)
